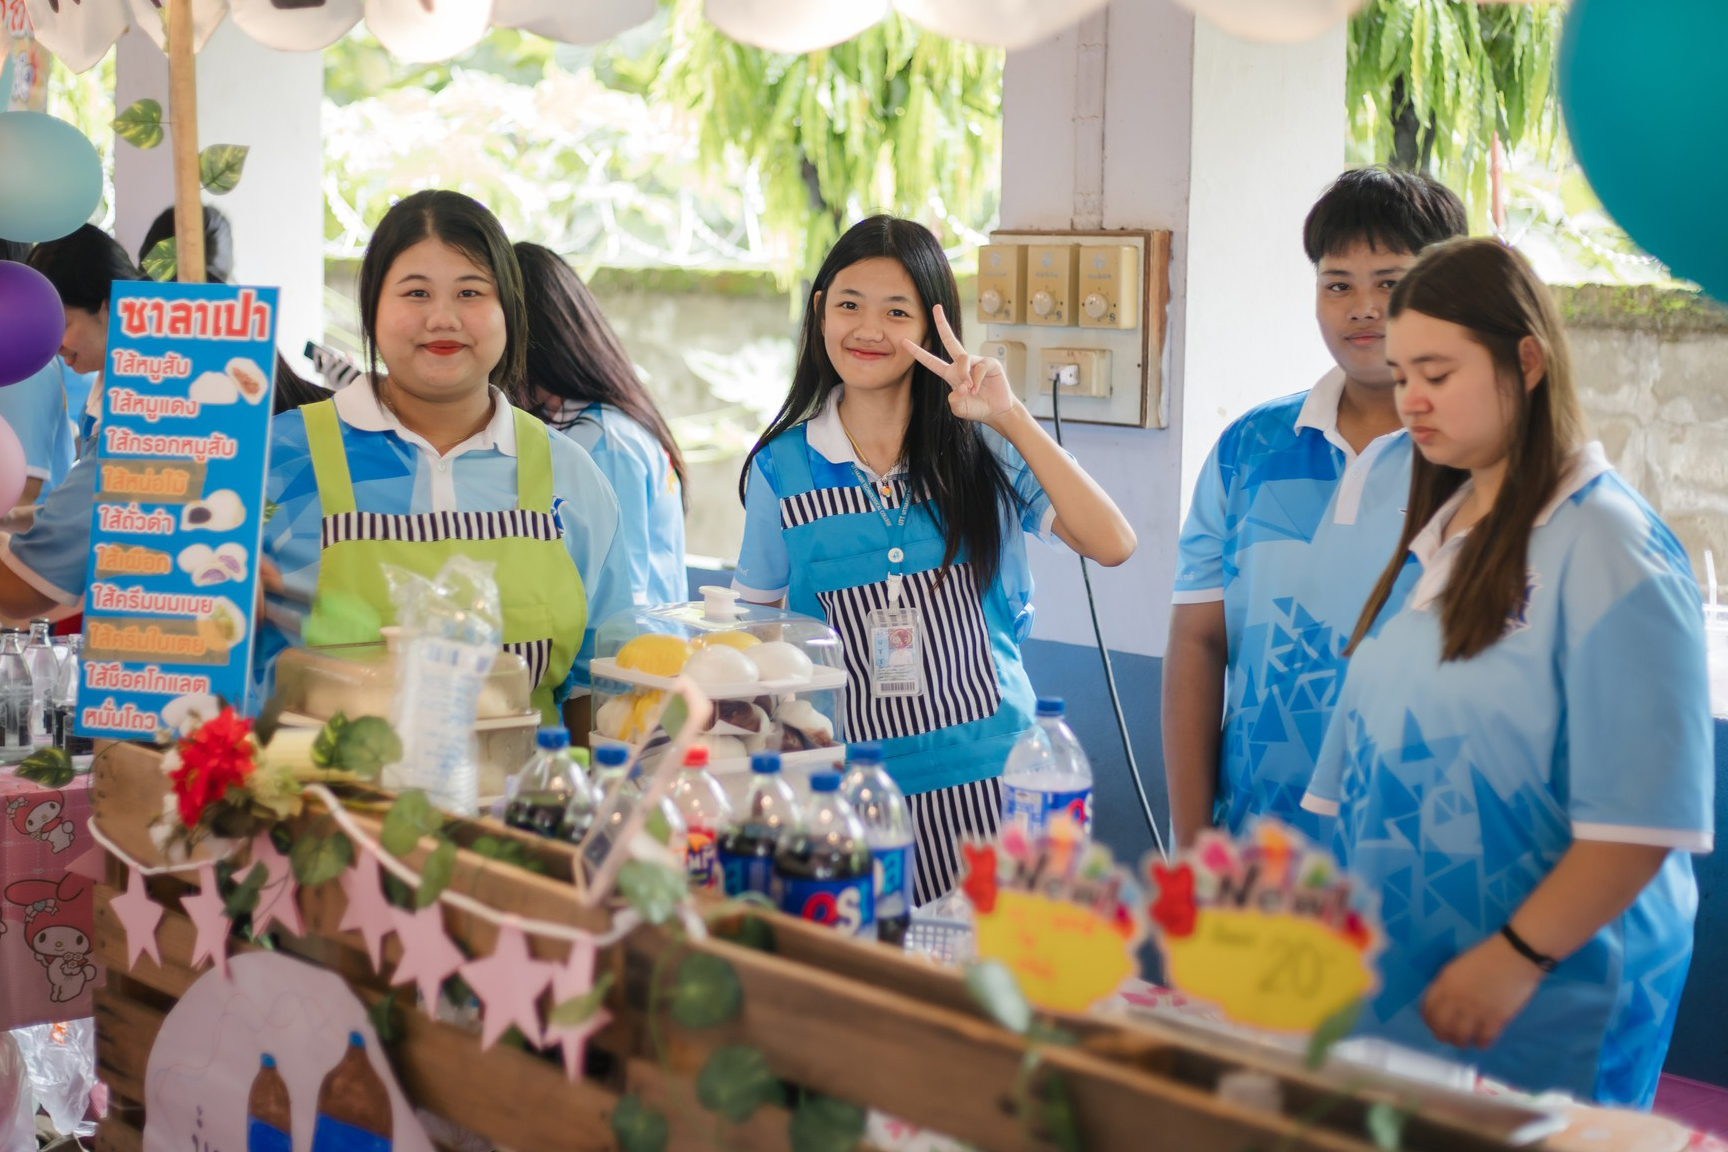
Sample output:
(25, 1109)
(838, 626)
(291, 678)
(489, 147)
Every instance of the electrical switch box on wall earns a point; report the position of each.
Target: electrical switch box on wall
(1081, 315)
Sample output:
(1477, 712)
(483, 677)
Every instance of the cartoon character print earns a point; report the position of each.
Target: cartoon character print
(38, 816)
(57, 917)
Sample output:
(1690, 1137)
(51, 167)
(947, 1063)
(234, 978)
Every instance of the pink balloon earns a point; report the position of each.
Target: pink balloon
(11, 467)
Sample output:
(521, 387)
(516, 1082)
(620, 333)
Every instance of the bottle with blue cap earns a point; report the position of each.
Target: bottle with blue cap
(823, 870)
(539, 796)
(750, 839)
(1047, 774)
(881, 806)
(618, 797)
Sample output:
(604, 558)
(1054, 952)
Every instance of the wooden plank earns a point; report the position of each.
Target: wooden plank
(128, 1030)
(694, 1129)
(183, 116)
(115, 1135)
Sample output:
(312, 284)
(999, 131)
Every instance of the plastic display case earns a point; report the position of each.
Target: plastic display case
(360, 680)
(776, 678)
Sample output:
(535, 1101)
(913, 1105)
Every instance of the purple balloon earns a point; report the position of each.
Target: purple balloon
(32, 323)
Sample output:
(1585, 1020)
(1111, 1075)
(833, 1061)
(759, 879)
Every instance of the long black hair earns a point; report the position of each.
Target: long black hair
(83, 265)
(218, 242)
(467, 226)
(574, 354)
(947, 459)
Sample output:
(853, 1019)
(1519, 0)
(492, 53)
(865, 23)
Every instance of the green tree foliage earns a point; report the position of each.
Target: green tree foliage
(892, 120)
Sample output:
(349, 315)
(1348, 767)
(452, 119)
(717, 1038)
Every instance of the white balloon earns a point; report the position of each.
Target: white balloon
(206, 14)
(425, 31)
(79, 35)
(1003, 23)
(1284, 21)
(296, 25)
(796, 26)
(588, 22)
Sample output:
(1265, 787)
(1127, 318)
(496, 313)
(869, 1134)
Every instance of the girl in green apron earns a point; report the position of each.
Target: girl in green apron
(428, 459)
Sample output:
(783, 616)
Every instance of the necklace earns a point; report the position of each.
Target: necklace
(883, 485)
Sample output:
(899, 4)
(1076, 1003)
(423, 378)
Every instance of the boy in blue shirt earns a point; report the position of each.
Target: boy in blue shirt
(1293, 516)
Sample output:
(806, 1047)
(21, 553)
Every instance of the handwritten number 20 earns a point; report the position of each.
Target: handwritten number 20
(1296, 968)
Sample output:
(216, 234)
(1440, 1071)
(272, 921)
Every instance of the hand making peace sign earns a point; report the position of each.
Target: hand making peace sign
(978, 385)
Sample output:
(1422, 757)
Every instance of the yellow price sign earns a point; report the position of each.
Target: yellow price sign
(1065, 957)
(1279, 971)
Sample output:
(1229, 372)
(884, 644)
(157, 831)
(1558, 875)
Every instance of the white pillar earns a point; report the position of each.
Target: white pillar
(270, 101)
(1226, 144)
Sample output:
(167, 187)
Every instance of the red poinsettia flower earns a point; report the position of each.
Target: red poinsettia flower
(1174, 910)
(217, 756)
(980, 882)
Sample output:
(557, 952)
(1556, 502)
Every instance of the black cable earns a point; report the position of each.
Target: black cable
(1109, 669)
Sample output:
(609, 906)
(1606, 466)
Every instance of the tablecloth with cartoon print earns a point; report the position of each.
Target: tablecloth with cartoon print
(47, 972)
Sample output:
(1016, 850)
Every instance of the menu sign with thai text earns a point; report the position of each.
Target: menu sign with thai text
(178, 514)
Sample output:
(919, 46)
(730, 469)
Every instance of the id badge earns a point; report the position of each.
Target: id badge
(897, 652)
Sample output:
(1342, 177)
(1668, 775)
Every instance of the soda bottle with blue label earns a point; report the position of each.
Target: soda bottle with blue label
(881, 806)
(269, 1126)
(823, 870)
(354, 1111)
(750, 839)
(1047, 773)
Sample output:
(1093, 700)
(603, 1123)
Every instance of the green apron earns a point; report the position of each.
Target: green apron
(545, 606)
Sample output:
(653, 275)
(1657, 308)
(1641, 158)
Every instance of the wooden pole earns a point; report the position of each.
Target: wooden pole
(183, 123)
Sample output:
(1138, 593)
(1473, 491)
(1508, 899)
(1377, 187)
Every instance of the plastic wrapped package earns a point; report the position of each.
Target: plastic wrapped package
(62, 1063)
(17, 1099)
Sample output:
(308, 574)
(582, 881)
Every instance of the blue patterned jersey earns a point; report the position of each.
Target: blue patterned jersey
(1290, 529)
(1458, 786)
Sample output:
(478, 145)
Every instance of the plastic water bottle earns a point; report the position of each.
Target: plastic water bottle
(706, 811)
(619, 796)
(64, 700)
(44, 669)
(16, 694)
(584, 802)
(823, 870)
(540, 794)
(1047, 773)
(749, 841)
(888, 826)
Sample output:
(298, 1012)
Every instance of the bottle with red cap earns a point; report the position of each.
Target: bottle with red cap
(706, 811)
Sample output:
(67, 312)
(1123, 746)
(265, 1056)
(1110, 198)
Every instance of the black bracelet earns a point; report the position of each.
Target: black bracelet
(1546, 963)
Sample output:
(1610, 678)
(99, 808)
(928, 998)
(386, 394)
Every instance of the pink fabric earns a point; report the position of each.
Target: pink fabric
(46, 973)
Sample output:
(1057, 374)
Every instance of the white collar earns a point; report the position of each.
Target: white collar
(825, 433)
(1320, 412)
(359, 408)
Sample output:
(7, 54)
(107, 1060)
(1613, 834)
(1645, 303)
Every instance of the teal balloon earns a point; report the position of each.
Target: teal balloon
(1644, 89)
(50, 177)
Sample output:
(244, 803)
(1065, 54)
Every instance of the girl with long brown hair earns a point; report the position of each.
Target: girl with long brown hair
(1521, 757)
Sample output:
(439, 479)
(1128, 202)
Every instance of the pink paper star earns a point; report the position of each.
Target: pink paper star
(509, 983)
(368, 912)
(277, 902)
(138, 915)
(210, 918)
(92, 865)
(427, 954)
(575, 978)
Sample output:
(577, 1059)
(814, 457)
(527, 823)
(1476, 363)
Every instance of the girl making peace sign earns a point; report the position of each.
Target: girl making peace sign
(890, 497)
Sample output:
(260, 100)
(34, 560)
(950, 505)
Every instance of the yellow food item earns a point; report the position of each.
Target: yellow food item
(655, 654)
(739, 640)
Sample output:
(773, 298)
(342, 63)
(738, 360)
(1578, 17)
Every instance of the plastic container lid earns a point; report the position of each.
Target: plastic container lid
(864, 752)
(696, 757)
(765, 762)
(824, 781)
(1051, 706)
(552, 737)
(611, 755)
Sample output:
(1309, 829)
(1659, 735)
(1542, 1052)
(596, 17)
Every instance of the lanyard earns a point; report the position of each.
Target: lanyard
(896, 532)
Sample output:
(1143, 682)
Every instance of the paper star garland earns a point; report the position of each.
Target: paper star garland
(210, 918)
(508, 983)
(138, 915)
(575, 978)
(427, 954)
(368, 913)
(277, 903)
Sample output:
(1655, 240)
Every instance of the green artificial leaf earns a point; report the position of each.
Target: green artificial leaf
(281, 838)
(580, 1009)
(383, 1016)
(736, 1081)
(705, 992)
(654, 890)
(269, 718)
(638, 1127)
(658, 826)
(243, 901)
(1386, 1125)
(366, 745)
(140, 125)
(510, 852)
(1332, 1029)
(824, 1124)
(49, 767)
(324, 744)
(749, 931)
(162, 262)
(435, 874)
(1057, 1110)
(316, 859)
(410, 817)
(397, 893)
(995, 990)
(219, 167)
(677, 712)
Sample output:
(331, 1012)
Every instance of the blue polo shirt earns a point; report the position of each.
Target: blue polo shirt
(1458, 786)
(36, 409)
(397, 473)
(1290, 528)
(650, 499)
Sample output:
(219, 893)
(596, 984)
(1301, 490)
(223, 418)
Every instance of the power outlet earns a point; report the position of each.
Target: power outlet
(1074, 371)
